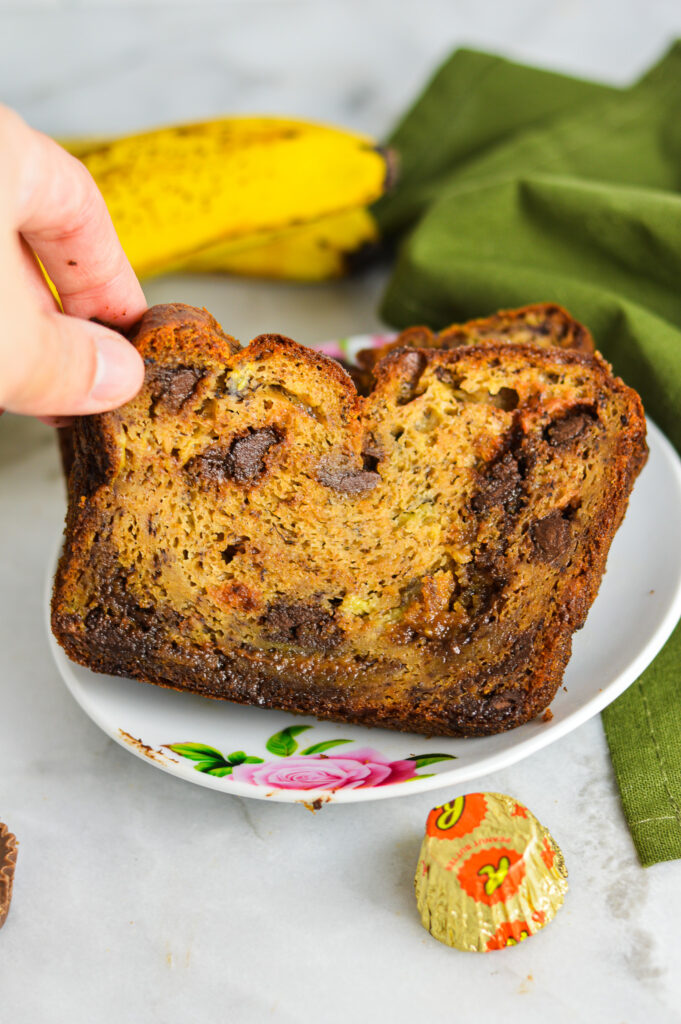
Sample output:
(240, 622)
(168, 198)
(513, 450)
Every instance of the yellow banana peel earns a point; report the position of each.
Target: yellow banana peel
(254, 184)
(80, 147)
(330, 247)
(50, 285)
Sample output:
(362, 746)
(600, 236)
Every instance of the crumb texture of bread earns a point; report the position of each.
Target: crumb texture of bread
(251, 528)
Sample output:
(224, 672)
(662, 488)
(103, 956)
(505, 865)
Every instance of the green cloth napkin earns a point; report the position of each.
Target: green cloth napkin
(519, 185)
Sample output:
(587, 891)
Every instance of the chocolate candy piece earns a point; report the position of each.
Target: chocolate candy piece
(552, 537)
(489, 875)
(173, 385)
(500, 486)
(310, 627)
(244, 462)
(247, 454)
(567, 429)
(8, 859)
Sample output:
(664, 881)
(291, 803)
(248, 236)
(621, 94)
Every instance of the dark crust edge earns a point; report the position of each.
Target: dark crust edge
(577, 338)
(176, 331)
(251, 683)
(8, 860)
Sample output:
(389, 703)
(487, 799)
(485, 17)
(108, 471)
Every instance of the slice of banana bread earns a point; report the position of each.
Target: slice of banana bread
(544, 324)
(250, 528)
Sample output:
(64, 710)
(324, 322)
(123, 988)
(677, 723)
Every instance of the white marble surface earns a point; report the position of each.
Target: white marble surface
(139, 897)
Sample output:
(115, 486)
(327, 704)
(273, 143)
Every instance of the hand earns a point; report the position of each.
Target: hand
(52, 363)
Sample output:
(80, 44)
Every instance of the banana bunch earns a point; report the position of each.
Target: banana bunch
(259, 196)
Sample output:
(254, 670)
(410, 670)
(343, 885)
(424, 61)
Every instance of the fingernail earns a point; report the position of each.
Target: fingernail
(56, 421)
(118, 370)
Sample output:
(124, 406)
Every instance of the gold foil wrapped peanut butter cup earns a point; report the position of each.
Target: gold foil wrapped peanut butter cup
(489, 874)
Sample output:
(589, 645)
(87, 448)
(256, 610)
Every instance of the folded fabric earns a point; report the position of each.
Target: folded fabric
(522, 186)
(474, 103)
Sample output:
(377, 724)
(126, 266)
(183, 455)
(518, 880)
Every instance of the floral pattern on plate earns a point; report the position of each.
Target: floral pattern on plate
(311, 768)
(347, 348)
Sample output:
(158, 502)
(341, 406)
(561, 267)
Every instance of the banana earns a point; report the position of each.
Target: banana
(251, 183)
(330, 247)
(80, 147)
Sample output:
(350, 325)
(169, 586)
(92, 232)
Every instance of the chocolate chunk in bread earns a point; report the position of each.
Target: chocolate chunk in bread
(551, 537)
(304, 625)
(417, 557)
(246, 461)
(568, 427)
(500, 485)
(173, 385)
(243, 461)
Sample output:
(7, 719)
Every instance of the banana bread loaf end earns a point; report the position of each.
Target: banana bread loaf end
(251, 528)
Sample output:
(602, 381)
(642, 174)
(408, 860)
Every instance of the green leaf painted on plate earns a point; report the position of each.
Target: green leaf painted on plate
(209, 764)
(421, 760)
(415, 778)
(282, 744)
(319, 748)
(210, 760)
(195, 751)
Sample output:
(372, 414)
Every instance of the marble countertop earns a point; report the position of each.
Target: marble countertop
(139, 897)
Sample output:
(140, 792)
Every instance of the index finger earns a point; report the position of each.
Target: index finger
(58, 209)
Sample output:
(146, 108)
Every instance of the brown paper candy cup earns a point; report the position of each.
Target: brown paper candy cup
(489, 874)
(8, 860)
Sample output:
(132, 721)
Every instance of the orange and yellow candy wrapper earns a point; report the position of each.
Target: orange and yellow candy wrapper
(489, 874)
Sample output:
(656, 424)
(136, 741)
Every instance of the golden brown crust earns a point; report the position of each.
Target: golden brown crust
(175, 331)
(544, 324)
(250, 528)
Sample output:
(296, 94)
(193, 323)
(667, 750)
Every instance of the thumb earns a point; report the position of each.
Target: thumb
(63, 366)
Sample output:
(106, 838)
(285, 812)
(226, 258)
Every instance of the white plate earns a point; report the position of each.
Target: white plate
(637, 607)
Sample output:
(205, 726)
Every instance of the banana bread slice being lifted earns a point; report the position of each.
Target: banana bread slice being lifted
(251, 528)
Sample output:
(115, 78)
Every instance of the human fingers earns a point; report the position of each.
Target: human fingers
(57, 365)
(57, 208)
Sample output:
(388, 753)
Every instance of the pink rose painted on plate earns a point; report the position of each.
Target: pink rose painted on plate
(311, 768)
(354, 770)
